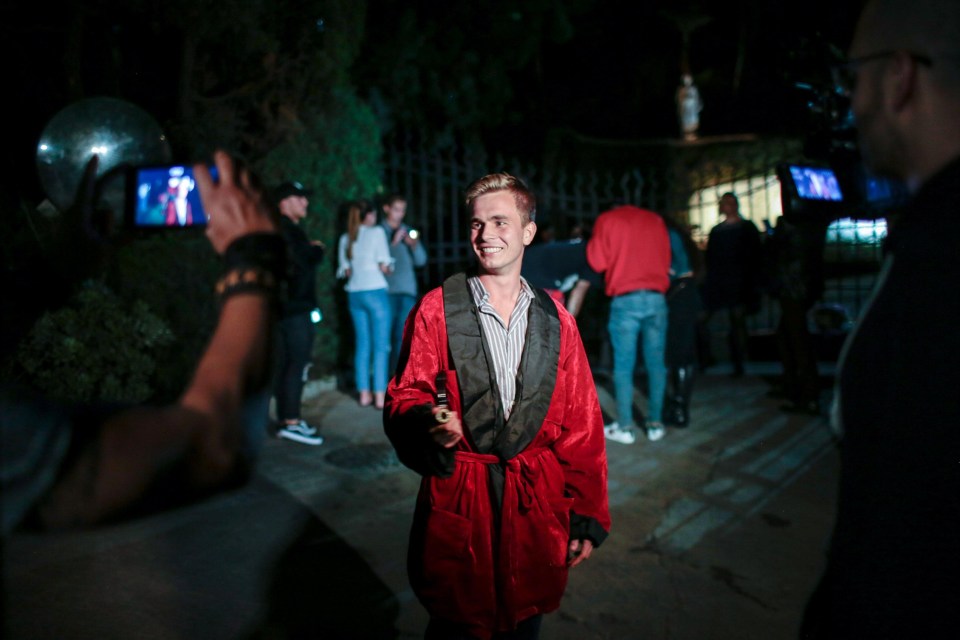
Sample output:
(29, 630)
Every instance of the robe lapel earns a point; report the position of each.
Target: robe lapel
(536, 378)
(482, 410)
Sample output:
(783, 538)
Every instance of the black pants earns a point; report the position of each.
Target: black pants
(684, 307)
(801, 381)
(295, 336)
(437, 629)
(736, 338)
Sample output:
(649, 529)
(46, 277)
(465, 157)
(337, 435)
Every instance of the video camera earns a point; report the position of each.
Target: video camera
(833, 182)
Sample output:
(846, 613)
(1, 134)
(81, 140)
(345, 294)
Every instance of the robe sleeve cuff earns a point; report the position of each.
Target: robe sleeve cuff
(586, 528)
(410, 435)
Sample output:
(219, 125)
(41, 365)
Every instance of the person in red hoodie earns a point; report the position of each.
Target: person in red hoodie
(494, 404)
(630, 246)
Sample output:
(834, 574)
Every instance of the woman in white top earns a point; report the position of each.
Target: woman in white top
(364, 256)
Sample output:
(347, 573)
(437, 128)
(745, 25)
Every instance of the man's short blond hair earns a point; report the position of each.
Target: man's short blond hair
(522, 195)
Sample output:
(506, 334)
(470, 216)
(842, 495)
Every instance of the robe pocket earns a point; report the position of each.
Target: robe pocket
(446, 558)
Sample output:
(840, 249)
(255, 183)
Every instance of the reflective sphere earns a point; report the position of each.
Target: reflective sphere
(117, 131)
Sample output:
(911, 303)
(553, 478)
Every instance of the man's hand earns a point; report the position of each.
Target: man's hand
(447, 434)
(578, 551)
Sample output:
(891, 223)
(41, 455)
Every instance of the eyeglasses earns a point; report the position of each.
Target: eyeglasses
(845, 73)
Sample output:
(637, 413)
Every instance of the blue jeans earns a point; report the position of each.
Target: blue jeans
(370, 311)
(400, 306)
(640, 314)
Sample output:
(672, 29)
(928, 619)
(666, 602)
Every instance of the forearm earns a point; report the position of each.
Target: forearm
(576, 296)
(196, 439)
(108, 471)
(234, 363)
(234, 367)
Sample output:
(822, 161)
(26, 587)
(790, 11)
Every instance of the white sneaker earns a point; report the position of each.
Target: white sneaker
(615, 432)
(300, 432)
(655, 431)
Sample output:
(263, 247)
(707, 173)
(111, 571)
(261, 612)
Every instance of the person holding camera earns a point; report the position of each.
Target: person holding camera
(408, 254)
(893, 566)
(65, 466)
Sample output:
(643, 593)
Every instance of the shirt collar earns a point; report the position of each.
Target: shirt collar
(481, 295)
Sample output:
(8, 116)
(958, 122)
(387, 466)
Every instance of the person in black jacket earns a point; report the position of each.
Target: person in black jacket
(684, 306)
(295, 332)
(733, 266)
(893, 566)
(796, 261)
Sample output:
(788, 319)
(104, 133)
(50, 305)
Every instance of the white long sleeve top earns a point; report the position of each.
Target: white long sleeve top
(369, 252)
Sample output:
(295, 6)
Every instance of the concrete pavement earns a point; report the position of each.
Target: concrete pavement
(718, 533)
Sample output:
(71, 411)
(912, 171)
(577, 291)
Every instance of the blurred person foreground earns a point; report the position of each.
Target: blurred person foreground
(719, 532)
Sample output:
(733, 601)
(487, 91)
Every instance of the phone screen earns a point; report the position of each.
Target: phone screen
(163, 197)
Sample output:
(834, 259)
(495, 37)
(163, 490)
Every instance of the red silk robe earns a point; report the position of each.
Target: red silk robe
(488, 546)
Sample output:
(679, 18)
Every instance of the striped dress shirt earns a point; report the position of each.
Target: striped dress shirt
(505, 342)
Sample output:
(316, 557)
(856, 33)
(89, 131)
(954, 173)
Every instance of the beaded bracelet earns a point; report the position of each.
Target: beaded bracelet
(245, 280)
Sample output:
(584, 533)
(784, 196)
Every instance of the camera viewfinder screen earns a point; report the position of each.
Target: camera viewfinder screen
(168, 197)
(816, 183)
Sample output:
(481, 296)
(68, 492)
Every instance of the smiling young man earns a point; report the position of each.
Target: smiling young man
(494, 405)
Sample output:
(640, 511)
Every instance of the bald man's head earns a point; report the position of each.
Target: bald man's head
(926, 27)
(905, 79)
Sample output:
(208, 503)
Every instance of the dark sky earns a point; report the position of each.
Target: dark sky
(618, 76)
(615, 78)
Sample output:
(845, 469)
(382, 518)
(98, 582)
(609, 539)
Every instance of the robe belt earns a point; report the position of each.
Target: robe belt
(518, 495)
(518, 471)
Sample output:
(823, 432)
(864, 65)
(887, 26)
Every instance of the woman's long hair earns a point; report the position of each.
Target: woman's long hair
(355, 214)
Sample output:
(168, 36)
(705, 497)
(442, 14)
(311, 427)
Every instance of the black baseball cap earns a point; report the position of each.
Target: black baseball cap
(288, 189)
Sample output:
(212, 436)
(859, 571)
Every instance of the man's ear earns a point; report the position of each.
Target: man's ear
(903, 82)
(529, 232)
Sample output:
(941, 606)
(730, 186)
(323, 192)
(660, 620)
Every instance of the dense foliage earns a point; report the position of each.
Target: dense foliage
(95, 348)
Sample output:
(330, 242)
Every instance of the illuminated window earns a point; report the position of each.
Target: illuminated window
(759, 198)
(850, 231)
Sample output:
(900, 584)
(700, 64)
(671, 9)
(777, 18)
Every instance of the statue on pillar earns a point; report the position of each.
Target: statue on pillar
(689, 107)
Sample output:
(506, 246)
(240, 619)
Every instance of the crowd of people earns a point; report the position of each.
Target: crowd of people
(663, 291)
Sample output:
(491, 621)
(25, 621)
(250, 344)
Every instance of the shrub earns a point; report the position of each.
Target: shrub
(96, 348)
